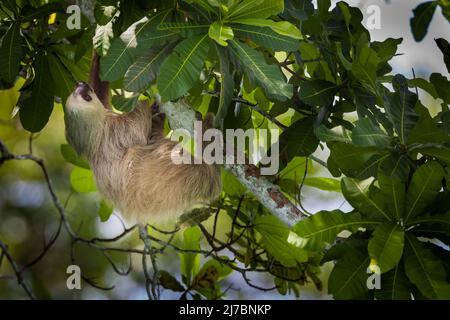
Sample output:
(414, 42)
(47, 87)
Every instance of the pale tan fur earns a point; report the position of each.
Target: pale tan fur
(132, 165)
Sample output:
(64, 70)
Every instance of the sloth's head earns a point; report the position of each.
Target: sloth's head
(84, 115)
(83, 98)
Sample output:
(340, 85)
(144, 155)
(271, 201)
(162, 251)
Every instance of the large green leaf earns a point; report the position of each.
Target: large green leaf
(386, 245)
(423, 189)
(394, 191)
(387, 49)
(70, 155)
(425, 270)
(441, 219)
(367, 134)
(426, 130)
(444, 46)
(143, 71)
(349, 276)
(394, 285)
(348, 156)
(220, 33)
(37, 107)
(322, 227)
(181, 70)
(283, 28)
(365, 67)
(299, 138)
(395, 166)
(358, 194)
(400, 107)
(64, 83)
(420, 22)
(11, 53)
(266, 37)
(317, 92)
(226, 87)
(139, 37)
(190, 262)
(255, 9)
(266, 75)
(441, 84)
(322, 183)
(275, 239)
(82, 180)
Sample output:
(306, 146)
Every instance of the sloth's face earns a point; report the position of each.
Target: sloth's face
(84, 91)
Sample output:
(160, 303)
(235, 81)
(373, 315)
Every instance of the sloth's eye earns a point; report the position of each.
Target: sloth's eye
(84, 90)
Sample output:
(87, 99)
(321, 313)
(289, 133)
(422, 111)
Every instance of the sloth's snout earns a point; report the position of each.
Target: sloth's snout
(84, 90)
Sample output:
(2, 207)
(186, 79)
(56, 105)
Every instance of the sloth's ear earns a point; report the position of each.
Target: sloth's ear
(101, 88)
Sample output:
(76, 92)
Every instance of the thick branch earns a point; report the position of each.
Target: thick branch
(180, 115)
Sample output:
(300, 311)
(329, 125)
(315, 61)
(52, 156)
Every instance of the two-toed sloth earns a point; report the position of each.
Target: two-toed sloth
(131, 160)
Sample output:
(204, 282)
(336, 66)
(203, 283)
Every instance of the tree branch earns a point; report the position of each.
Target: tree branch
(181, 115)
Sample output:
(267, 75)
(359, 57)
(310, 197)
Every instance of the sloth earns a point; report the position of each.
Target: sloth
(131, 159)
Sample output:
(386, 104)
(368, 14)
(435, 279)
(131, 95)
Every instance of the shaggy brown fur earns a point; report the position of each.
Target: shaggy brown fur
(132, 164)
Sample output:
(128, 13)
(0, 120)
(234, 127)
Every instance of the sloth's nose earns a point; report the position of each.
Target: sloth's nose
(83, 89)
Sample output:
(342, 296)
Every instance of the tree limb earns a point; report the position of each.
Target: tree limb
(181, 116)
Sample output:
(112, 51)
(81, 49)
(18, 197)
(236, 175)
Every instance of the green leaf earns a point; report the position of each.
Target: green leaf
(299, 138)
(387, 49)
(317, 92)
(386, 245)
(210, 273)
(63, 79)
(425, 185)
(104, 11)
(231, 185)
(125, 104)
(181, 70)
(444, 46)
(220, 33)
(327, 184)
(277, 240)
(104, 211)
(364, 68)
(255, 9)
(144, 70)
(420, 22)
(37, 107)
(395, 166)
(367, 134)
(322, 227)
(441, 84)
(71, 156)
(82, 180)
(226, 87)
(267, 76)
(190, 262)
(348, 156)
(442, 154)
(394, 191)
(426, 130)
(283, 28)
(441, 219)
(139, 37)
(425, 270)
(11, 53)
(329, 135)
(358, 194)
(394, 285)
(400, 107)
(348, 278)
(169, 282)
(266, 37)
